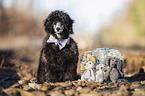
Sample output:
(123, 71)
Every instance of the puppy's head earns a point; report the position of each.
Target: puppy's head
(58, 24)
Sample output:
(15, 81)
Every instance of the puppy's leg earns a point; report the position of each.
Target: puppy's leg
(41, 73)
(70, 73)
(51, 76)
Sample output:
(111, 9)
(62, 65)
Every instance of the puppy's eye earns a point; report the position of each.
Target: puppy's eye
(54, 23)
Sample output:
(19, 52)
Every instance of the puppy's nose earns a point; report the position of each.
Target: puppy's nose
(57, 28)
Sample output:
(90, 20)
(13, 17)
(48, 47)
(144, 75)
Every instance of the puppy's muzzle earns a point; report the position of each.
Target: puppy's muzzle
(58, 28)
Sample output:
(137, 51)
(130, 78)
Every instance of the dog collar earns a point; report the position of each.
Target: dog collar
(61, 43)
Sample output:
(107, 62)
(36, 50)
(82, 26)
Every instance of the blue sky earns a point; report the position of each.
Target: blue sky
(89, 15)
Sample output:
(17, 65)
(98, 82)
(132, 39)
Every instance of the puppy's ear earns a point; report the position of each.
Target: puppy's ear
(48, 26)
(71, 26)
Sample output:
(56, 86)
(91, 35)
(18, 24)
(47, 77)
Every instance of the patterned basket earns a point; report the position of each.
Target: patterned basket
(102, 64)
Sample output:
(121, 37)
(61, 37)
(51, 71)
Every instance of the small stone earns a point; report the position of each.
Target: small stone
(95, 92)
(26, 66)
(34, 85)
(139, 92)
(69, 92)
(89, 94)
(76, 94)
(116, 94)
(37, 93)
(11, 91)
(136, 85)
(83, 84)
(85, 90)
(104, 87)
(25, 93)
(56, 93)
(127, 84)
(45, 86)
(121, 83)
(142, 82)
(122, 91)
(63, 84)
(111, 84)
(74, 83)
(79, 83)
(123, 88)
(92, 86)
(58, 88)
(32, 80)
(22, 82)
(79, 88)
(26, 87)
(28, 77)
(107, 93)
(16, 86)
(98, 88)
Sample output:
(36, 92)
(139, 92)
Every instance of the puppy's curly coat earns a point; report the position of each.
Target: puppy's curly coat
(55, 64)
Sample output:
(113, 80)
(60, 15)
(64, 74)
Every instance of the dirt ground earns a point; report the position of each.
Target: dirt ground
(18, 69)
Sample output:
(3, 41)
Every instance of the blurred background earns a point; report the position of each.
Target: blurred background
(98, 23)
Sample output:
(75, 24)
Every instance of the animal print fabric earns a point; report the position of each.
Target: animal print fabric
(102, 65)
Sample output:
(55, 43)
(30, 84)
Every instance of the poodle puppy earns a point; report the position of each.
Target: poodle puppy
(59, 54)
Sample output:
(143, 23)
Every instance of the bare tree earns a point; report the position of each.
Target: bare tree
(2, 18)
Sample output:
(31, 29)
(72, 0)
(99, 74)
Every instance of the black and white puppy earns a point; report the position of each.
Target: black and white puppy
(59, 54)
